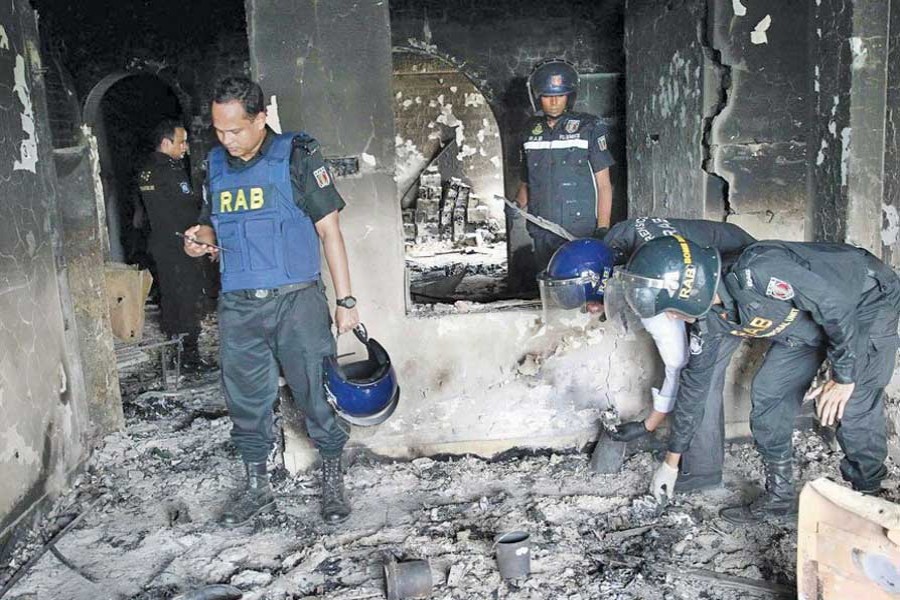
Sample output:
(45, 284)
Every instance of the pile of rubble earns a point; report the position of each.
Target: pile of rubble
(152, 533)
(140, 521)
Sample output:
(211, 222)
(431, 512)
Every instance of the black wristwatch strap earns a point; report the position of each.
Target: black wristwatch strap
(346, 302)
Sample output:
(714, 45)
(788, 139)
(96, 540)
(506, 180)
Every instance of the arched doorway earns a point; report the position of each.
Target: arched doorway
(449, 170)
(121, 111)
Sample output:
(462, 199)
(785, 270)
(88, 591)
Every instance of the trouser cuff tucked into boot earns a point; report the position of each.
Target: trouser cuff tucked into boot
(777, 501)
(256, 497)
(335, 508)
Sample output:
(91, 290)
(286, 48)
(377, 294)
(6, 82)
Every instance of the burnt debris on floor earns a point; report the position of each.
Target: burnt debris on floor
(151, 495)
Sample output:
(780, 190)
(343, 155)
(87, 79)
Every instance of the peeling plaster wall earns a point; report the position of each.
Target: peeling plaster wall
(757, 140)
(890, 225)
(42, 397)
(471, 382)
(851, 73)
(431, 97)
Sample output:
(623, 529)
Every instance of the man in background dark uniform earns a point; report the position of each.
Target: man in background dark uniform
(171, 207)
(565, 164)
(813, 301)
(272, 208)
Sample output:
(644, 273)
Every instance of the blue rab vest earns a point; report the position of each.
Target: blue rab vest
(268, 240)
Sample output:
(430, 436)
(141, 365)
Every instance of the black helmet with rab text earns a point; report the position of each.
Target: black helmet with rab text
(670, 273)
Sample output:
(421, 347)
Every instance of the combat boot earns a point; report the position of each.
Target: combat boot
(255, 498)
(779, 499)
(335, 508)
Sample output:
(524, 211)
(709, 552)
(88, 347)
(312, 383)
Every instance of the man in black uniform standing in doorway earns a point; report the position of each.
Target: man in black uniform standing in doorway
(171, 207)
(272, 209)
(565, 162)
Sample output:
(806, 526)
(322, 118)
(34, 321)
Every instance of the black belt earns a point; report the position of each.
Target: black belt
(263, 293)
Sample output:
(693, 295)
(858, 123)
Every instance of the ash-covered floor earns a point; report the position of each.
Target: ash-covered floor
(160, 485)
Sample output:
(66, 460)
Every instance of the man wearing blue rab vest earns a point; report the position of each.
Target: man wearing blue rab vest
(565, 163)
(269, 204)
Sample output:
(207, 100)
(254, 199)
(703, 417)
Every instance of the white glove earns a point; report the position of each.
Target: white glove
(663, 484)
(663, 404)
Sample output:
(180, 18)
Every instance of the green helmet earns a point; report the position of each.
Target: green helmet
(670, 273)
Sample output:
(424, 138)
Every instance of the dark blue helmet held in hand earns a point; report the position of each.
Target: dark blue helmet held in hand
(365, 392)
(576, 274)
(554, 77)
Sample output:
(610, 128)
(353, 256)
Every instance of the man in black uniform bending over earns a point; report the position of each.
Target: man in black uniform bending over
(814, 301)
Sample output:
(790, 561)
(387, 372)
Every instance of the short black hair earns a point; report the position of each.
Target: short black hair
(165, 129)
(241, 89)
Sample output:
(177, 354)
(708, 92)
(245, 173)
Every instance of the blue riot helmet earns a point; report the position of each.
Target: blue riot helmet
(554, 77)
(576, 275)
(364, 392)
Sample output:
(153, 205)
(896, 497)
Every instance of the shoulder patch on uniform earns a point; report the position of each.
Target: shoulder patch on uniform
(572, 125)
(778, 289)
(601, 143)
(185, 188)
(322, 177)
(145, 176)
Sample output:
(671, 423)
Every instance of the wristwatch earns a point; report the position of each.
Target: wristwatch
(346, 302)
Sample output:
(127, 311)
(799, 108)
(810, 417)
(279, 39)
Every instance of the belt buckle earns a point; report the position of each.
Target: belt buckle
(261, 294)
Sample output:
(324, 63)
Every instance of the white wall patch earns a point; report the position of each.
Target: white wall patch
(272, 118)
(28, 147)
(758, 35)
(368, 159)
(739, 9)
(4, 39)
(891, 224)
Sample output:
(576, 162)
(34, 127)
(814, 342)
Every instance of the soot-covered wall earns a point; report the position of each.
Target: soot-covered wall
(43, 413)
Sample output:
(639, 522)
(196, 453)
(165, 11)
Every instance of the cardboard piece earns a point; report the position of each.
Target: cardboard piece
(845, 546)
(127, 288)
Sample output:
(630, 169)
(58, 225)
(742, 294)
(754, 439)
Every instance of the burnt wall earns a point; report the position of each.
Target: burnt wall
(890, 230)
(757, 140)
(665, 73)
(43, 407)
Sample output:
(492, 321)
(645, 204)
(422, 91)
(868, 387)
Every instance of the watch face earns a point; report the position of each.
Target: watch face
(348, 302)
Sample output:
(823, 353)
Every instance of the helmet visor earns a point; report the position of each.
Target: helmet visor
(562, 298)
(620, 317)
(642, 293)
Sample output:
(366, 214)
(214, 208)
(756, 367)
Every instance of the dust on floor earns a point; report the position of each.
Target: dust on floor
(162, 482)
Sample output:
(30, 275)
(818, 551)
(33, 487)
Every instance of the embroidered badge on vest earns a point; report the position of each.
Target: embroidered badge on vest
(778, 289)
(538, 129)
(601, 143)
(573, 125)
(322, 177)
(185, 188)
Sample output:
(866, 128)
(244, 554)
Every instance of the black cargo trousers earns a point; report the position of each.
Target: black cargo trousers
(259, 335)
(784, 377)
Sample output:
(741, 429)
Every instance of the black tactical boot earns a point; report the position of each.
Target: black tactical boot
(779, 499)
(255, 498)
(334, 508)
